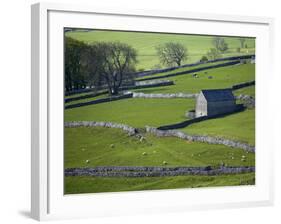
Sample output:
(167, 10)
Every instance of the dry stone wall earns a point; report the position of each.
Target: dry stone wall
(201, 138)
(164, 133)
(164, 95)
(135, 171)
(148, 85)
(248, 101)
(126, 128)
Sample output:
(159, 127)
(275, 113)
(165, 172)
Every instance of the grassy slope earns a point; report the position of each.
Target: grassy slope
(93, 144)
(183, 69)
(246, 91)
(239, 126)
(76, 185)
(221, 78)
(145, 44)
(134, 112)
(156, 112)
(87, 99)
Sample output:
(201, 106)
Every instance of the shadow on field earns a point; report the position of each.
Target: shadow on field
(240, 108)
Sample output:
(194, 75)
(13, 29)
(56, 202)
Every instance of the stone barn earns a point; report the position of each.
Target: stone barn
(215, 102)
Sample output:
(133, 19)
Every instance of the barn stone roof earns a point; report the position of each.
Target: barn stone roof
(213, 95)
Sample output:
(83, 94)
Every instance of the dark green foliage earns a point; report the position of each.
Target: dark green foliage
(75, 74)
(102, 65)
(204, 59)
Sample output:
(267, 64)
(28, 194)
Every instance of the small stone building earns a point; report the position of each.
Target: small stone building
(214, 102)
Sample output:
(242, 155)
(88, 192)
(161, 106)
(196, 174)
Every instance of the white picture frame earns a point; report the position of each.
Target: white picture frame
(48, 201)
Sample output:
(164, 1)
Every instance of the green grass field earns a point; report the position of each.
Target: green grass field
(239, 126)
(95, 144)
(157, 112)
(113, 147)
(184, 69)
(78, 185)
(221, 78)
(86, 99)
(134, 112)
(145, 43)
(246, 91)
(224, 77)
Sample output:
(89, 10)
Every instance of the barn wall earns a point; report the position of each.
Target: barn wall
(221, 107)
(201, 106)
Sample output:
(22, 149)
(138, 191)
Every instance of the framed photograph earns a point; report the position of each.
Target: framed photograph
(148, 111)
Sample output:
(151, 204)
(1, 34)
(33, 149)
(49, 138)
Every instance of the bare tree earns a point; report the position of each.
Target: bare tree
(220, 44)
(172, 53)
(213, 54)
(112, 63)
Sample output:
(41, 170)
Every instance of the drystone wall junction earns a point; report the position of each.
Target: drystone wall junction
(164, 133)
(248, 101)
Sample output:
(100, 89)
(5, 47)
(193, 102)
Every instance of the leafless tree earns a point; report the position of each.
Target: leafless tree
(220, 44)
(111, 63)
(213, 54)
(172, 53)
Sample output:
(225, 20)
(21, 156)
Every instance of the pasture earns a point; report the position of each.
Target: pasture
(101, 146)
(145, 43)
(112, 147)
(78, 185)
(224, 77)
(134, 112)
(109, 147)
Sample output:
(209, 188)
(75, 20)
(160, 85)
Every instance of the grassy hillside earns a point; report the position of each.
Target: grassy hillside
(246, 91)
(112, 147)
(239, 126)
(157, 112)
(224, 77)
(134, 112)
(78, 185)
(145, 43)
